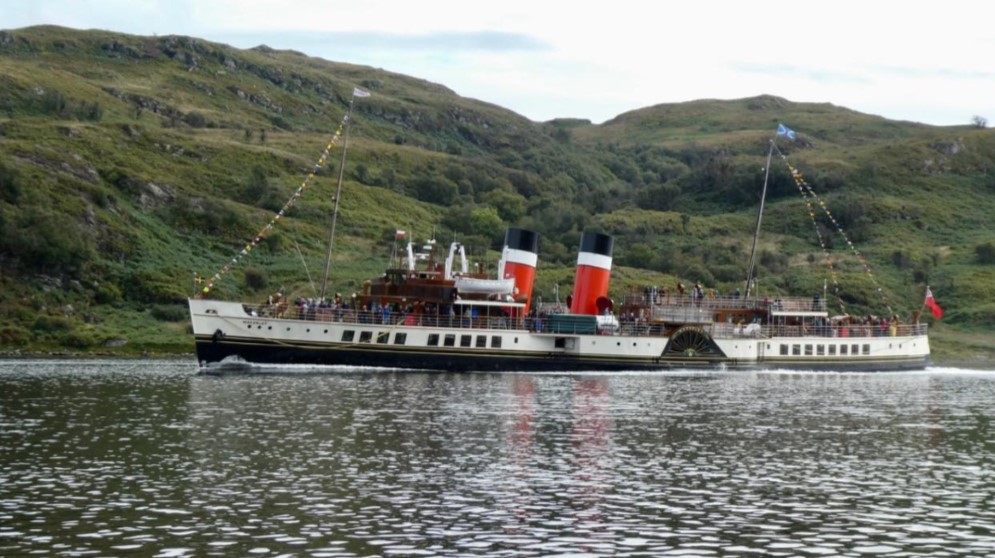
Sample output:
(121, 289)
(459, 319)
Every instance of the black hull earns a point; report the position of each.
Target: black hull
(214, 351)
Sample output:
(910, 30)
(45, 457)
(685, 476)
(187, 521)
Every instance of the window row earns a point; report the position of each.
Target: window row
(448, 340)
(823, 350)
(478, 341)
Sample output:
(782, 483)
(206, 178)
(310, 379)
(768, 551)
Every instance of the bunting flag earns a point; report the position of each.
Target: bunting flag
(933, 306)
(811, 200)
(784, 131)
(286, 207)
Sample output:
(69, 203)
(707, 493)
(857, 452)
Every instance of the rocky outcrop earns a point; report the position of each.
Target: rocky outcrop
(153, 196)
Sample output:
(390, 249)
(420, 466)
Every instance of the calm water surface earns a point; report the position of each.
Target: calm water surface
(147, 458)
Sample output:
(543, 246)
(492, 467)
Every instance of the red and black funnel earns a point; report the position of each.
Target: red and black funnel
(594, 266)
(519, 258)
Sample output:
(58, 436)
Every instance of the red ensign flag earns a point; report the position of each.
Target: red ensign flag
(933, 306)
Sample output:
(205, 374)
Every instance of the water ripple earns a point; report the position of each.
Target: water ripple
(147, 458)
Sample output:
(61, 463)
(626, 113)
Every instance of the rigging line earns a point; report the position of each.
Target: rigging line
(808, 197)
(269, 226)
(800, 181)
(314, 291)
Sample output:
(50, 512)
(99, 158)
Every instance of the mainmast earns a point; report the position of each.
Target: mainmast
(756, 233)
(338, 192)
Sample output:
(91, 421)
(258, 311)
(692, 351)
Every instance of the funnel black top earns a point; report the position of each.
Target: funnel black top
(597, 243)
(521, 239)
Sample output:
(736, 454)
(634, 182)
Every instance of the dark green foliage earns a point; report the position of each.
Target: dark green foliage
(660, 197)
(274, 243)
(774, 263)
(78, 340)
(51, 324)
(107, 293)
(10, 183)
(13, 335)
(432, 189)
(985, 253)
(209, 216)
(153, 287)
(255, 279)
(195, 120)
(170, 312)
(89, 111)
(53, 103)
(41, 241)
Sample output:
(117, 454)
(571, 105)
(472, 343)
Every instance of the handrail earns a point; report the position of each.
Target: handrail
(640, 328)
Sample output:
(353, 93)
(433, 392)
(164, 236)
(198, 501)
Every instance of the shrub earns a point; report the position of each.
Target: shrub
(78, 340)
(107, 293)
(52, 324)
(152, 287)
(195, 120)
(13, 335)
(169, 313)
(985, 253)
(10, 183)
(47, 242)
(255, 279)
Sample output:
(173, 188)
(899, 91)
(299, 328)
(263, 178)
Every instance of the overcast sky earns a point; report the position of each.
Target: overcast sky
(922, 61)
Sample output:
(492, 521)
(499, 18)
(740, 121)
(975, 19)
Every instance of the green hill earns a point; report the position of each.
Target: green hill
(129, 164)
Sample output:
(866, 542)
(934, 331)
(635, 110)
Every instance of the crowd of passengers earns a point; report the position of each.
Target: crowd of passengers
(352, 310)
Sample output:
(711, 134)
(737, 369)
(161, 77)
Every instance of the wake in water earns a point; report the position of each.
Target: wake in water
(235, 365)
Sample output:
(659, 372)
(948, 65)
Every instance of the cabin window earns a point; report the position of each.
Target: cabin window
(450, 340)
(496, 341)
(433, 339)
(481, 341)
(383, 337)
(854, 349)
(808, 350)
(365, 336)
(867, 349)
(784, 349)
(843, 349)
(465, 340)
(832, 350)
(401, 337)
(820, 350)
(348, 335)
(796, 350)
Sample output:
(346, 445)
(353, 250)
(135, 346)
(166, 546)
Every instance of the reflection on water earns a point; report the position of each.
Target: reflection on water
(148, 459)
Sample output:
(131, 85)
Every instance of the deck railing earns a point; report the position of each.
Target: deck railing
(675, 304)
(689, 315)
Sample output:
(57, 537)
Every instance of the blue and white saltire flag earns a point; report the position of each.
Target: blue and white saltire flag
(783, 130)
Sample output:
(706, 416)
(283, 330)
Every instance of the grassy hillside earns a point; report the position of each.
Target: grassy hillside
(129, 164)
